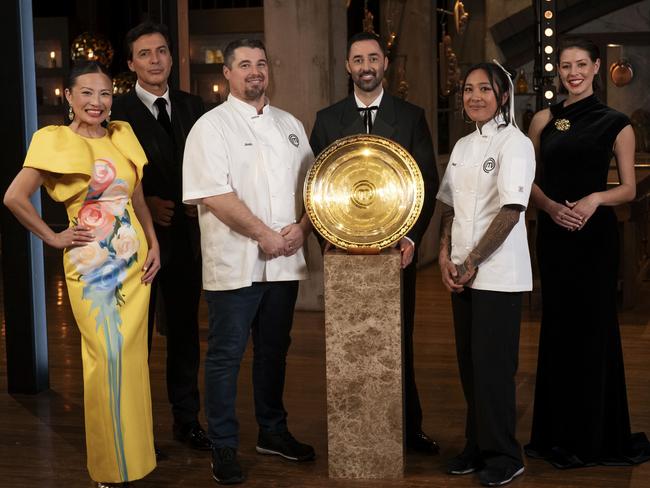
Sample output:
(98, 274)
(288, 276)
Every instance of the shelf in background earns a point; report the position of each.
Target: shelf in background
(50, 110)
(49, 72)
(206, 68)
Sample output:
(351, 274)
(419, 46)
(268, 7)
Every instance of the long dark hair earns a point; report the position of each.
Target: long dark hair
(583, 44)
(500, 86)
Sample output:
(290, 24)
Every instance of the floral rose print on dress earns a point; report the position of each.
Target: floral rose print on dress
(102, 266)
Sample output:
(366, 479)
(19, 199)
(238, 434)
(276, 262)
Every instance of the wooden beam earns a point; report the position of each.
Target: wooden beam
(183, 46)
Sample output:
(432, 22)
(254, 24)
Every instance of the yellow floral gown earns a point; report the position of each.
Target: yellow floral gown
(95, 179)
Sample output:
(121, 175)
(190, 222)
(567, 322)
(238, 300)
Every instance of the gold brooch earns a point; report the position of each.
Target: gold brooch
(562, 124)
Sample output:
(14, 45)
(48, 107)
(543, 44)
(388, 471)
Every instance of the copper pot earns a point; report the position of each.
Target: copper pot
(621, 72)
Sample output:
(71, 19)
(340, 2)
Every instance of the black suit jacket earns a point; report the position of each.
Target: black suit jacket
(397, 120)
(164, 171)
(162, 176)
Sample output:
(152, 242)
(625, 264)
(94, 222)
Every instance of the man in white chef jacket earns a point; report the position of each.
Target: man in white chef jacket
(244, 166)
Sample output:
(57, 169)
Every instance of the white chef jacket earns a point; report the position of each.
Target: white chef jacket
(490, 168)
(263, 159)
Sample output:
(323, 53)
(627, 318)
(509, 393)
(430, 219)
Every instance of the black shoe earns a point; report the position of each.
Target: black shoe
(466, 462)
(160, 455)
(283, 444)
(225, 467)
(498, 476)
(422, 443)
(194, 436)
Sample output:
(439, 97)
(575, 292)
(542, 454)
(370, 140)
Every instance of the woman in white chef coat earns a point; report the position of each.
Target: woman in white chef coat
(485, 265)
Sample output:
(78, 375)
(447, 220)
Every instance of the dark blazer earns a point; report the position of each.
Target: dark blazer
(397, 120)
(162, 176)
(164, 171)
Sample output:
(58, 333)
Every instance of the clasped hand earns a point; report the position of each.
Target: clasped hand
(573, 215)
(456, 276)
(286, 242)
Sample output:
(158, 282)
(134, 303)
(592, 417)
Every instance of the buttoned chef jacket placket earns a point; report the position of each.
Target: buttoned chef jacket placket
(485, 144)
(276, 160)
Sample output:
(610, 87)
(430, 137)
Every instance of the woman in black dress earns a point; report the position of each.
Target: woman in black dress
(581, 414)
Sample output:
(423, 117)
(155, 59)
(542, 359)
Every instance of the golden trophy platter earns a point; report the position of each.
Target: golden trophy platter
(364, 193)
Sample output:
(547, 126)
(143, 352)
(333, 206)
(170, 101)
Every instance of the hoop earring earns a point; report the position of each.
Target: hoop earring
(466, 118)
(70, 114)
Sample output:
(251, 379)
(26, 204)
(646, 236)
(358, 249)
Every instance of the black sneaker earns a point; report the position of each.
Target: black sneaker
(225, 467)
(498, 476)
(194, 436)
(283, 444)
(466, 462)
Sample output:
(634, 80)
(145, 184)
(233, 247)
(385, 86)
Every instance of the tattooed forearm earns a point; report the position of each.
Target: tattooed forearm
(494, 236)
(445, 229)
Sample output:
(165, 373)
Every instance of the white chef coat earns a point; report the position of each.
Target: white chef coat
(490, 168)
(262, 158)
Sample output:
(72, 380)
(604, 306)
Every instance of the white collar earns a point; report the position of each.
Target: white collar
(245, 108)
(492, 127)
(374, 103)
(149, 99)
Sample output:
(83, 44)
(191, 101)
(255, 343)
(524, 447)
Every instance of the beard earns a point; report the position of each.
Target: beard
(255, 92)
(368, 85)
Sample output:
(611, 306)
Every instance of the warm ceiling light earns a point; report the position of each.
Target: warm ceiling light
(548, 67)
(548, 49)
(548, 14)
(548, 94)
(548, 32)
(613, 45)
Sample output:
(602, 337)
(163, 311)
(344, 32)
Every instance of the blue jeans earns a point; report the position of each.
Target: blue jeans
(265, 310)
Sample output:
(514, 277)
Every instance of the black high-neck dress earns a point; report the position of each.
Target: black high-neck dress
(581, 413)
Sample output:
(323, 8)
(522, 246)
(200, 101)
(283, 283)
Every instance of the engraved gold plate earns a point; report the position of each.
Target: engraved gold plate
(364, 193)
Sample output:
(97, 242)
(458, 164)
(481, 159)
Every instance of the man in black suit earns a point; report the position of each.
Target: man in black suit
(371, 110)
(161, 119)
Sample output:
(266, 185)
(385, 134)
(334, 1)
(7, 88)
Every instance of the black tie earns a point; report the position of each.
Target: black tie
(163, 116)
(367, 116)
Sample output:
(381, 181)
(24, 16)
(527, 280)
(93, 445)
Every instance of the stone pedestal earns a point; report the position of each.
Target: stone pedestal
(364, 365)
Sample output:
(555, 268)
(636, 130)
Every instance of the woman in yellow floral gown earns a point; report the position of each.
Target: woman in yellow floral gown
(110, 255)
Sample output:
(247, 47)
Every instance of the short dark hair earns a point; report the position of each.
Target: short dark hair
(145, 28)
(84, 67)
(500, 86)
(365, 36)
(229, 53)
(583, 44)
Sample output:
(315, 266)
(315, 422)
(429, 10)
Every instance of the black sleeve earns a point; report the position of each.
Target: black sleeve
(422, 146)
(117, 110)
(198, 107)
(318, 138)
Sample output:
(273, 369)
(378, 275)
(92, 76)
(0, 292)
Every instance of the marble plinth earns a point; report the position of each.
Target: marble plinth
(364, 365)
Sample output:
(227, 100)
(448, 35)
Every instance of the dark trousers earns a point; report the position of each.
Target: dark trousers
(265, 311)
(487, 345)
(412, 408)
(179, 280)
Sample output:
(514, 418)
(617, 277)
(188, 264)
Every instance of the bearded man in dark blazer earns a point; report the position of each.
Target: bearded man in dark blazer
(161, 119)
(371, 110)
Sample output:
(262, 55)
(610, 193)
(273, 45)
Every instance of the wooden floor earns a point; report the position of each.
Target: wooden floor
(42, 439)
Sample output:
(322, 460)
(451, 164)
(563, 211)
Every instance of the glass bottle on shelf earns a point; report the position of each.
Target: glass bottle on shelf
(522, 83)
(527, 117)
